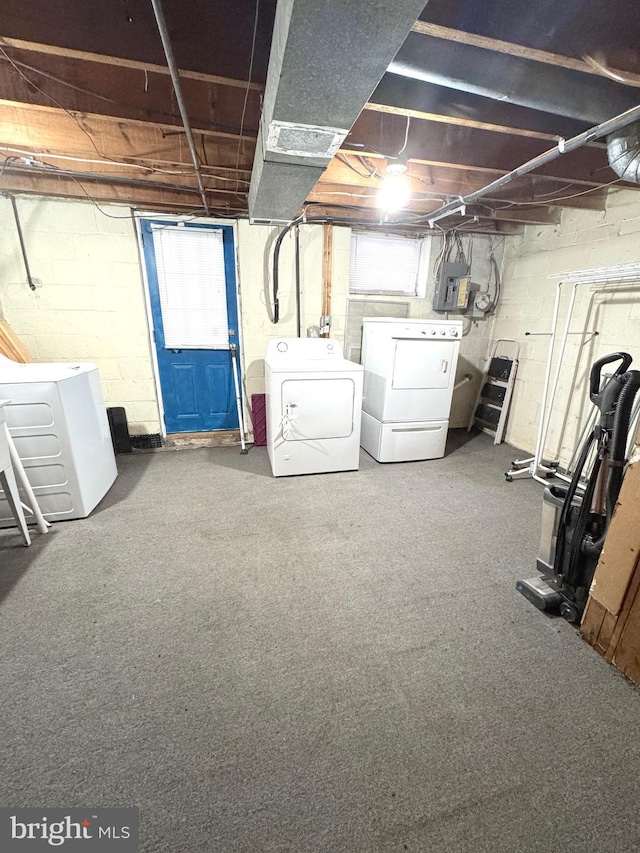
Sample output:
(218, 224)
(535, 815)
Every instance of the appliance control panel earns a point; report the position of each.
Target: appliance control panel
(304, 348)
(424, 329)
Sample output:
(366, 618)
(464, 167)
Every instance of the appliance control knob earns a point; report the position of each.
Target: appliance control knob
(433, 331)
(282, 346)
(423, 331)
(443, 332)
(330, 347)
(454, 333)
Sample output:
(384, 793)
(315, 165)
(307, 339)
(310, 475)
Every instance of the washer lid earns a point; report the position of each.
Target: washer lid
(20, 373)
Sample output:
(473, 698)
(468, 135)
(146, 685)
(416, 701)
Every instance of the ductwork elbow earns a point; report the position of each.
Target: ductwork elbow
(623, 150)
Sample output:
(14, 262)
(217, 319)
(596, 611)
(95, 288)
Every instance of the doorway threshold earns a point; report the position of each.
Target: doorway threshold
(217, 438)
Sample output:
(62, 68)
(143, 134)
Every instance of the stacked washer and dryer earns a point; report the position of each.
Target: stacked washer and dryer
(317, 416)
(409, 374)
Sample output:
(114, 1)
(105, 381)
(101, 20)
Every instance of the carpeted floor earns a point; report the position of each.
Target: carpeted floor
(330, 663)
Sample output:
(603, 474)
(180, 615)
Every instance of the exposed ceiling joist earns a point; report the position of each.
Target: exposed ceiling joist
(452, 119)
(125, 93)
(150, 196)
(525, 82)
(122, 62)
(469, 148)
(586, 66)
(94, 86)
(444, 182)
(88, 135)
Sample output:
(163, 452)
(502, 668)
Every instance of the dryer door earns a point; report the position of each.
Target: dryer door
(423, 364)
(317, 408)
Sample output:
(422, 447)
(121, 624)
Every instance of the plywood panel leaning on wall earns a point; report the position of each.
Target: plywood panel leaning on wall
(11, 346)
(611, 622)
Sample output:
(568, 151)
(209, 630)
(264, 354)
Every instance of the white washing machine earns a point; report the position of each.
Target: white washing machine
(409, 374)
(58, 422)
(314, 404)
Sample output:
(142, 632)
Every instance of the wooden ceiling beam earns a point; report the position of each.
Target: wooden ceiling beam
(528, 215)
(472, 149)
(459, 120)
(147, 197)
(445, 182)
(584, 65)
(121, 62)
(404, 224)
(86, 135)
(125, 93)
(328, 192)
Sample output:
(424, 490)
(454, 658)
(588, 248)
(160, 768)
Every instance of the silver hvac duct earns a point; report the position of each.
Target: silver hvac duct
(623, 150)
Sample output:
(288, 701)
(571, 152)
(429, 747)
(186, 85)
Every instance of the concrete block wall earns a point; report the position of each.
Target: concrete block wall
(90, 305)
(255, 252)
(584, 239)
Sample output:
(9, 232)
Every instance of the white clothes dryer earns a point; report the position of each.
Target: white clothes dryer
(409, 374)
(314, 406)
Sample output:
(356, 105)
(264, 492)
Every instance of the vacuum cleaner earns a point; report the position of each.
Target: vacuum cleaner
(576, 517)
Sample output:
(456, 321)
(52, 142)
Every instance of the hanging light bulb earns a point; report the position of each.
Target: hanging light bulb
(395, 190)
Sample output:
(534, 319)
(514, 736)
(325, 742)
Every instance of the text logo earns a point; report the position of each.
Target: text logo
(103, 830)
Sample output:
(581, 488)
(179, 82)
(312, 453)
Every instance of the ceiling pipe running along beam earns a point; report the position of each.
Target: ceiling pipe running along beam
(177, 88)
(563, 147)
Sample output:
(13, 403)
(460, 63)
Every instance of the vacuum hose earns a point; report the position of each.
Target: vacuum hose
(619, 436)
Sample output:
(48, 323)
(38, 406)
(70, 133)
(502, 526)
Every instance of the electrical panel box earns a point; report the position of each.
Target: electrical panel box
(453, 288)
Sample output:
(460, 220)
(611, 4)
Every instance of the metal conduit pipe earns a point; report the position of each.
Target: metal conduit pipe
(175, 79)
(301, 220)
(563, 147)
(23, 248)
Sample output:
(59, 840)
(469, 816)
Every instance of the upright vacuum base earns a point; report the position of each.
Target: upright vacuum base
(544, 594)
(538, 592)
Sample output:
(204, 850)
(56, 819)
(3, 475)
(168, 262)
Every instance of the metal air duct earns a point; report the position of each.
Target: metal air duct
(623, 150)
(327, 57)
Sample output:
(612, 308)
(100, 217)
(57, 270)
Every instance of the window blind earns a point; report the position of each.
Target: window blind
(192, 287)
(383, 263)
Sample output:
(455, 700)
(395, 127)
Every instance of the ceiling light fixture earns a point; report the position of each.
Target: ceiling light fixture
(395, 191)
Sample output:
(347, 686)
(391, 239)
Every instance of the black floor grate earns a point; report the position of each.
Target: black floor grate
(146, 442)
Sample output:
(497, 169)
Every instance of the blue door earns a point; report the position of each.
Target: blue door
(192, 289)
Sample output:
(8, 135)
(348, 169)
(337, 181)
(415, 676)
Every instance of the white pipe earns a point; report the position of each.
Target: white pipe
(556, 378)
(537, 455)
(467, 378)
(33, 507)
(234, 367)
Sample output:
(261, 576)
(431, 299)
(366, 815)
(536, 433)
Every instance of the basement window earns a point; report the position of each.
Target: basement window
(388, 264)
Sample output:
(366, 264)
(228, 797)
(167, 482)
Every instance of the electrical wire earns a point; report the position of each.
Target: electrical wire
(153, 169)
(406, 136)
(46, 74)
(562, 198)
(348, 163)
(371, 173)
(57, 103)
(246, 93)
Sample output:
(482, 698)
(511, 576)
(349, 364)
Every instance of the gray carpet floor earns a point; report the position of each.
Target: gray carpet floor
(327, 663)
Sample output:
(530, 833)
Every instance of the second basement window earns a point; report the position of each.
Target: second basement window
(388, 264)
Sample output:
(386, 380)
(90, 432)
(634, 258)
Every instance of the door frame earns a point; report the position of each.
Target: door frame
(196, 220)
